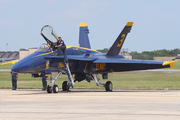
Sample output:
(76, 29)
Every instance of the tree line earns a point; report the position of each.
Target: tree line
(149, 55)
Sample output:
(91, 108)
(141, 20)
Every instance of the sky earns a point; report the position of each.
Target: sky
(156, 22)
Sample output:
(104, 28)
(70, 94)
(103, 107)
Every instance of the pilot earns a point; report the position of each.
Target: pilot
(61, 47)
(14, 77)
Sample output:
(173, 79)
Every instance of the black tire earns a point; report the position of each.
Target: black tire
(65, 86)
(55, 89)
(109, 86)
(49, 89)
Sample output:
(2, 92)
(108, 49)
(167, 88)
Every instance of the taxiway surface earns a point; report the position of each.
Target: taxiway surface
(89, 104)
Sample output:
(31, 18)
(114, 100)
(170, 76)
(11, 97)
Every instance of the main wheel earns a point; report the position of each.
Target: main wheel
(55, 89)
(49, 89)
(65, 86)
(109, 86)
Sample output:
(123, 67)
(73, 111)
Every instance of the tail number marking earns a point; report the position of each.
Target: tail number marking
(121, 41)
(100, 66)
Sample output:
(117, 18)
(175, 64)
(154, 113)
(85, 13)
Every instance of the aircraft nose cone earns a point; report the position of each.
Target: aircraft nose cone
(17, 67)
(20, 67)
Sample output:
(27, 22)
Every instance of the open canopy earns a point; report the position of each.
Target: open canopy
(49, 35)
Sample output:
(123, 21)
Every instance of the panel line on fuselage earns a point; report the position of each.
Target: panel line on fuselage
(43, 54)
(67, 47)
(88, 49)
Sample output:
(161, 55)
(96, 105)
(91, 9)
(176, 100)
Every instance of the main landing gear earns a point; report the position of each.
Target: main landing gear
(52, 87)
(65, 87)
(66, 84)
(108, 86)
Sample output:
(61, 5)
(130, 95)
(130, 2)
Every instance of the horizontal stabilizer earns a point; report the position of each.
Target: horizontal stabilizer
(116, 47)
(171, 63)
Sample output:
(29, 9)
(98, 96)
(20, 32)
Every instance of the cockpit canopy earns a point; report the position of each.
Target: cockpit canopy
(49, 33)
(50, 36)
(44, 48)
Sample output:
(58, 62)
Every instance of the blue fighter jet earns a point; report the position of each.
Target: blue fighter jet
(83, 62)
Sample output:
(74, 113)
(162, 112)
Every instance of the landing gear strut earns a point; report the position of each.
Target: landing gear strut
(108, 86)
(66, 84)
(52, 87)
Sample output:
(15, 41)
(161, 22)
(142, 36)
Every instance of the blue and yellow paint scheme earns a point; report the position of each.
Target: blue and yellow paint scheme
(43, 59)
(85, 61)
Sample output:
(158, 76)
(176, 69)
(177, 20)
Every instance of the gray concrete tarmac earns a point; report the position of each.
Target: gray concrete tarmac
(28, 104)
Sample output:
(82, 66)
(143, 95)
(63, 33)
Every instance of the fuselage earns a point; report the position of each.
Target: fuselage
(36, 62)
(81, 60)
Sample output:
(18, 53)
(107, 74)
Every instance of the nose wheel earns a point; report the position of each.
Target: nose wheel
(55, 89)
(49, 89)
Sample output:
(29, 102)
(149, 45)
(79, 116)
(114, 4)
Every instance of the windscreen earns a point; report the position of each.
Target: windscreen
(44, 48)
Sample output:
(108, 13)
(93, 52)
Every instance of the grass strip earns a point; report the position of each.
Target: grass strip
(121, 81)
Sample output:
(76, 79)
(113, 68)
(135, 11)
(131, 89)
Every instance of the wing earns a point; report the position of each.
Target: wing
(12, 62)
(118, 65)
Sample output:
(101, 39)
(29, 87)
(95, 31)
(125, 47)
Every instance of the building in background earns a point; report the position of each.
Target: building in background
(126, 55)
(164, 58)
(24, 53)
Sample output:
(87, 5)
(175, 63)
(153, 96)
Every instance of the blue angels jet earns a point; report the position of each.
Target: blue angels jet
(83, 62)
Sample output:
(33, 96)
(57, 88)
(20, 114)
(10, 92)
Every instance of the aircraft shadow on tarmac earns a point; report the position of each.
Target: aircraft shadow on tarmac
(89, 90)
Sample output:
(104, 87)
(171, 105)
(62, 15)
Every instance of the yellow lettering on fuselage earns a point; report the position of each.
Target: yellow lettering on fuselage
(47, 64)
(61, 65)
(100, 66)
(75, 49)
(121, 41)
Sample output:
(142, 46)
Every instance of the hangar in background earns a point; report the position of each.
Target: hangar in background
(17, 54)
(8, 56)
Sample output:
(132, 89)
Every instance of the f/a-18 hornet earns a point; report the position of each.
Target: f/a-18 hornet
(83, 62)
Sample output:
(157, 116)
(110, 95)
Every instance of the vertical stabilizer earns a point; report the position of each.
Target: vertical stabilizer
(83, 36)
(116, 47)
